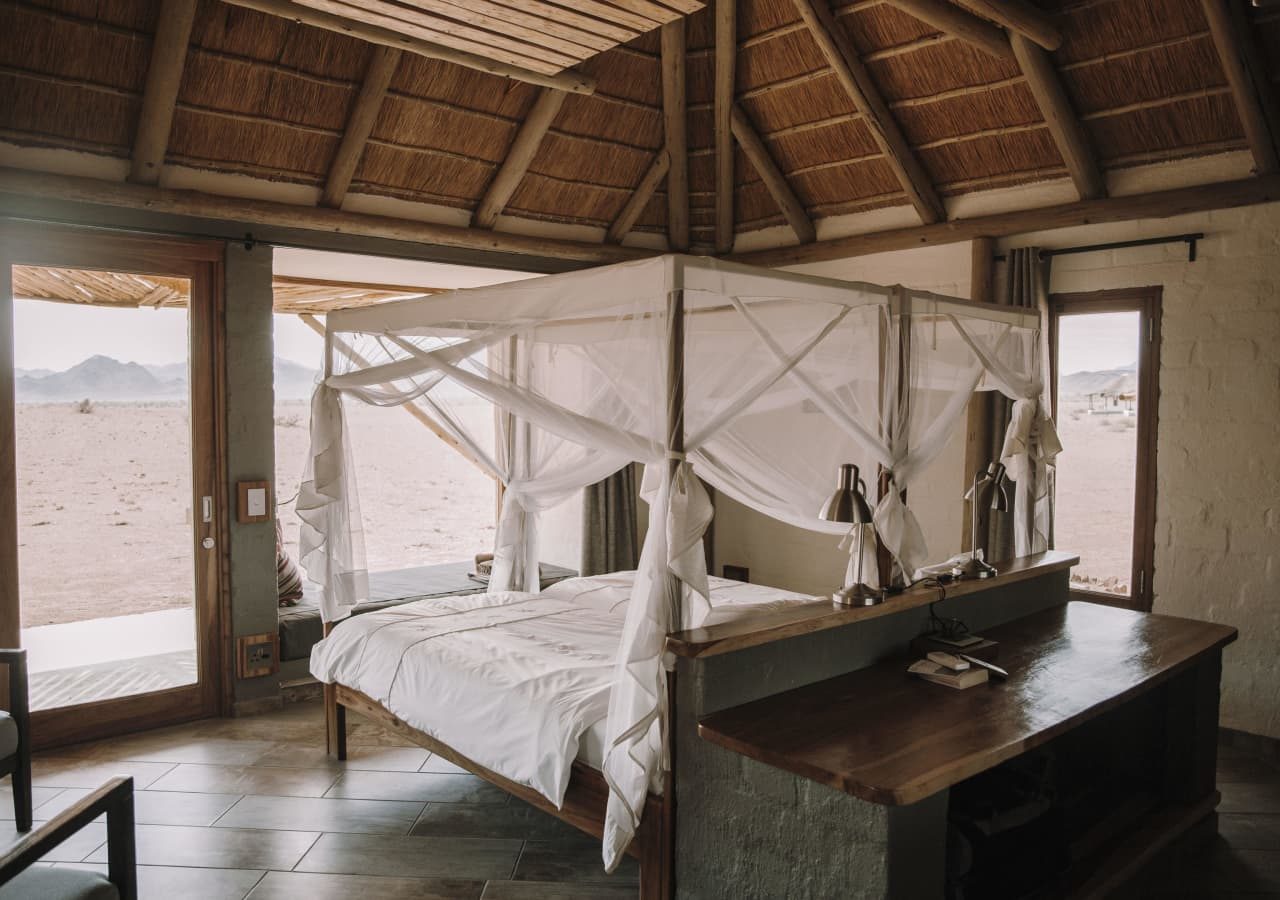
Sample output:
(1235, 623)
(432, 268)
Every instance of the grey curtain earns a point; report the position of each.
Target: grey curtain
(609, 539)
(1026, 285)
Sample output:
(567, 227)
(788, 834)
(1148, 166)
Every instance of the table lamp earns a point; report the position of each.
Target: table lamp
(987, 493)
(849, 506)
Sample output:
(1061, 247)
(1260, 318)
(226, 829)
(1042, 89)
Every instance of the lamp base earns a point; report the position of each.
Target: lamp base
(857, 595)
(974, 568)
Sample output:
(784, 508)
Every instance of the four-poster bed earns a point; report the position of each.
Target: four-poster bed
(757, 381)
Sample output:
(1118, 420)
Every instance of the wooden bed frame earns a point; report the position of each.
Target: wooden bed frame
(584, 800)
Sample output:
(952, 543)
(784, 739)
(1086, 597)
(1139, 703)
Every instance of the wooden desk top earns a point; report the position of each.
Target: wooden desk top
(887, 737)
(822, 614)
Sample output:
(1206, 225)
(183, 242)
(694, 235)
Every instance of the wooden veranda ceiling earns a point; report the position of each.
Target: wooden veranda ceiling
(737, 117)
(312, 296)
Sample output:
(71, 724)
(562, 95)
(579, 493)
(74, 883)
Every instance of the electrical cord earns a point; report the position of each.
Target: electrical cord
(950, 628)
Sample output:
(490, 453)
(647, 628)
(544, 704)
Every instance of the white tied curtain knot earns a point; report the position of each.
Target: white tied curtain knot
(900, 530)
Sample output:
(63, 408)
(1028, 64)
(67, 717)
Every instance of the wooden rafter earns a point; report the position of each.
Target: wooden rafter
(568, 80)
(952, 20)
(364, 112)
(772, 176)
(1021, 18)
(160, 96)
(1157, 205)
(523, 149)
(856, 80)
(1068, 133)
(726, 58)
(639, 198)
(1251, 88)
(674, 100)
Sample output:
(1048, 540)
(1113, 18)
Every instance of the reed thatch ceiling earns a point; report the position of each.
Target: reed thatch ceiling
(1141, 80)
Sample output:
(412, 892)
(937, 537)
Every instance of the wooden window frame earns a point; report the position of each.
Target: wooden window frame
(1147, 302)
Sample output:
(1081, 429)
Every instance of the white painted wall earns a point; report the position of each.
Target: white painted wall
(791, 558)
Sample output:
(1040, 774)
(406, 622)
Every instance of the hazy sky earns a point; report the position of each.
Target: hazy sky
(1096, 342)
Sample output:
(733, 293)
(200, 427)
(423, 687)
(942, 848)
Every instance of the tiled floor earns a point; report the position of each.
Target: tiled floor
(236, 808)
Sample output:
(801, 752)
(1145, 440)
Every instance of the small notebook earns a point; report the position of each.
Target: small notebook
(931, 671)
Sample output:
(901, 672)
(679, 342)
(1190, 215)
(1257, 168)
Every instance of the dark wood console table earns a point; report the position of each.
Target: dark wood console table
(1135, 684)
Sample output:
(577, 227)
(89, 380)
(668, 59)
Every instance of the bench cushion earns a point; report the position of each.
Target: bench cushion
(59, 884)
(8, 735)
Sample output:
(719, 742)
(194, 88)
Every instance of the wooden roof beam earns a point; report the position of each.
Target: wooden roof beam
(675, 124)
(726, 59)
(568, 80)
(160, 96)
(1251, 88)
(856, 80)
(773, 178)
(952, 20)
(1068, 134)
(364, 113)
(1157, 205)
(523, 149)
(639, 199)
(1020, 17)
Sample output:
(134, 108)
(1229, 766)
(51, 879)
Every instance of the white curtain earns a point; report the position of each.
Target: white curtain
(555, 383)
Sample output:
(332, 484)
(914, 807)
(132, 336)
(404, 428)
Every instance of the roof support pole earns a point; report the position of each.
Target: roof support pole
(1021, 18)
(857, 82)
(639, 199)
(1250, 87)
(364, 112)
(674, 105)
(954, 21)
(160, 95)
(726, 58)
(772, 176)
(523, 149)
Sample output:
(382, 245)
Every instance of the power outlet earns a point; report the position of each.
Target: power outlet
(737, 573)
(259, 654)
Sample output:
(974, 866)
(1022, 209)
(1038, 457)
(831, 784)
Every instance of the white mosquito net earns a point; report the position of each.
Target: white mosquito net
(761, 384)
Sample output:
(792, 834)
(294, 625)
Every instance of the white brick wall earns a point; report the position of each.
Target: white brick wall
(1218, 454)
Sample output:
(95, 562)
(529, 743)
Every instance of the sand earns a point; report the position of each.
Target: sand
(104, 503)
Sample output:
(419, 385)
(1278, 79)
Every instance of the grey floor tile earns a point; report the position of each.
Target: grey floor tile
(277, 781)
(77, 772)
(571, 861)
(323, 814)
(516, 819)
(1250, 831)
(79, 845)
(1246, 797)
(218, 848)
(425, 786)
(187, 749)
(174, 882)
(436, 763)
(319, 886)
(180, 807)
(475, 859)
(537, 890)
(1247, 769)
(39, 795)
(377, 759)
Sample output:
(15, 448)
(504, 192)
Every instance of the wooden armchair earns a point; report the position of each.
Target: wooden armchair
(15, 737)
(18, 879)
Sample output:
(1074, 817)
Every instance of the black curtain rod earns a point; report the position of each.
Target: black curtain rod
(1188, 239)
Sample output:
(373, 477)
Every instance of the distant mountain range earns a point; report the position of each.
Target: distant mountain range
(1079, 385)
(105, 378)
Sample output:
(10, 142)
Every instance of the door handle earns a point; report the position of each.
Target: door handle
(206, 509)
(207, 543)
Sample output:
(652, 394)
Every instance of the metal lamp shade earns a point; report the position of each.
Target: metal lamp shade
(849, 502)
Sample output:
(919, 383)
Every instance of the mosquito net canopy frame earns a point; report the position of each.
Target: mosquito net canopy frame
(756, 381)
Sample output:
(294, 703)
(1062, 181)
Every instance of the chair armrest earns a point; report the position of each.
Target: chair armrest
(115, 798)
(19, 704)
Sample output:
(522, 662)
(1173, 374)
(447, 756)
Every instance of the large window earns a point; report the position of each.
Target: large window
(1105, 349)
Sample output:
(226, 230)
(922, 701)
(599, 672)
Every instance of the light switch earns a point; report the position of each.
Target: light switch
(257, 502)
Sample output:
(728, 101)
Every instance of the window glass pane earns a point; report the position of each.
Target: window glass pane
(1097, 470)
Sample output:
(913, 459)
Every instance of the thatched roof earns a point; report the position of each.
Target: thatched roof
(264, 96)
(315, 296)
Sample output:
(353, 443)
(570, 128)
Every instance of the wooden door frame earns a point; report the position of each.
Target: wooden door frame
(1147, 302)
(201, 262)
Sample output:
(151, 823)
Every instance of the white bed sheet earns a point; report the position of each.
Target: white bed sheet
(517, 682)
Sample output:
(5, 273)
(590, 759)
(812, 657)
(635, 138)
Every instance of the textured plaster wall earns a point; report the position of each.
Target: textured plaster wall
(812, 563)
(1218, 448)
(250, 447)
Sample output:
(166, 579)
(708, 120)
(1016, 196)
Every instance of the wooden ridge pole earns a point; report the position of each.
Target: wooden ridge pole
(364, 113)
(160, 95)
(523, 149)
(1021, 18)
(726, 60)
(1251, 87)
(952, 20)
(773, 178)
(639, 199)
(674, 118)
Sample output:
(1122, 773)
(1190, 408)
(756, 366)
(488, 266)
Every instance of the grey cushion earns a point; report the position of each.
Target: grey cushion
(8, 735)
(41, 883)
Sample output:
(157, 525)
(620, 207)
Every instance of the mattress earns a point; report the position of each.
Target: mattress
(517, 682)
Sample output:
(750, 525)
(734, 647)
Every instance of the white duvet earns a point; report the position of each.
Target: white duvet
(511, 680)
